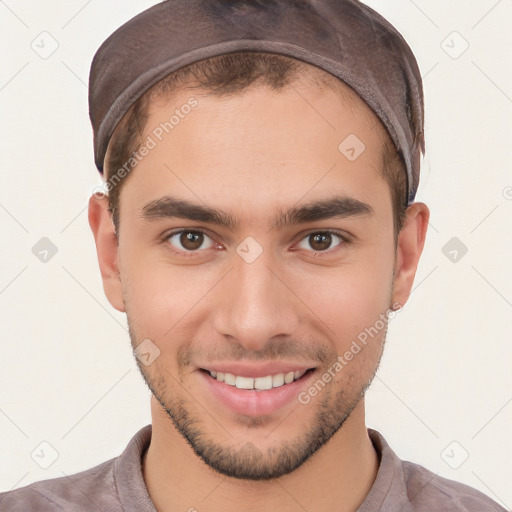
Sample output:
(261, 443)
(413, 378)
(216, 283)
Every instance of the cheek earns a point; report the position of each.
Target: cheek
(348, 298)
(354, 307)
(162, 299)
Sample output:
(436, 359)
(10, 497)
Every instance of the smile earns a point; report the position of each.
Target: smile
(255, 390)
(258, 383)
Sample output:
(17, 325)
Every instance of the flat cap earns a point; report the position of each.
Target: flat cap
(343, 37)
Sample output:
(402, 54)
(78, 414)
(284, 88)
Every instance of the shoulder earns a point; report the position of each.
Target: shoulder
(93, 489)
(102, 488)
(409, 487)
(429, 491)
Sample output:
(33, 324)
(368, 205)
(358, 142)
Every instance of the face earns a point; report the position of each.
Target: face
(252, 250)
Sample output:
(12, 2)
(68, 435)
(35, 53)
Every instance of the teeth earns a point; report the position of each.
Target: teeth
(263, 382)
(278, 380)
(258, 383)
(244, 382)
(230, 379)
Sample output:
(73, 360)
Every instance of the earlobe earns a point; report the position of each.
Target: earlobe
(410, 246)
(107, 249)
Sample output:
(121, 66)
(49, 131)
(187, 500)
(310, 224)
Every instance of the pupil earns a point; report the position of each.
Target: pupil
(324, 239)
(190, 239)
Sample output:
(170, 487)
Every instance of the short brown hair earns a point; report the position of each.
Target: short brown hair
(226, 75)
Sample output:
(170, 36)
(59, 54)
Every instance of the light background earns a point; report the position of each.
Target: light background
(67, 373)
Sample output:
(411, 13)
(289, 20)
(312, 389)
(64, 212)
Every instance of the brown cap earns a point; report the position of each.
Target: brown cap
(343, 37)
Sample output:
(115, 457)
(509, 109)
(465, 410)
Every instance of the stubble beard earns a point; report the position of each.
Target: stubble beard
(249, 462)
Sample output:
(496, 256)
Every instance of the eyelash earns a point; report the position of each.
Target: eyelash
(343, 240)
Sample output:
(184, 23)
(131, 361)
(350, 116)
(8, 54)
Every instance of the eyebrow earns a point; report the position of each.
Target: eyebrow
(335, 207)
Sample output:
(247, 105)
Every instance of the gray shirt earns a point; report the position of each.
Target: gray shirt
(118, 485)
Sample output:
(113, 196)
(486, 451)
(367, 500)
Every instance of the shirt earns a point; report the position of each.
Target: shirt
(118, 485)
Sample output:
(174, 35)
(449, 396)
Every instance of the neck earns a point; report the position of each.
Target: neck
(337, 477)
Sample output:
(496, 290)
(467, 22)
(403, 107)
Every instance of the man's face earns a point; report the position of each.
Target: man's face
(257, 298)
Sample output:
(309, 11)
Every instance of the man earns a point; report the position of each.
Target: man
(261, 161)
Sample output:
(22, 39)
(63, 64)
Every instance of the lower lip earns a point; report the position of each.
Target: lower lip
(256, 403)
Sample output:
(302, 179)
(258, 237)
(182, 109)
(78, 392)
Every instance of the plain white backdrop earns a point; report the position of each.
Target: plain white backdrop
(443, 395)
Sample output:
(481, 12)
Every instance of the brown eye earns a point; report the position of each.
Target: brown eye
(186, 241)
(320, 241)
(191, 240)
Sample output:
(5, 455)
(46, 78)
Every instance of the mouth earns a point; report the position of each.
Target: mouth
(255, 396)
(257, 383)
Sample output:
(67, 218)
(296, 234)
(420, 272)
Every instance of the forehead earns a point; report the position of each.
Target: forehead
(315, 101)
(261, 147)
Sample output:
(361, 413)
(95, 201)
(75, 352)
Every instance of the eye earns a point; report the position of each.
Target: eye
(189, 241)
(321, 241)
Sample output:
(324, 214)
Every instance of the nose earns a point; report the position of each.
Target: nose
(256, 304)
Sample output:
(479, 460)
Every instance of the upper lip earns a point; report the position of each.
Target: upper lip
(247, 369)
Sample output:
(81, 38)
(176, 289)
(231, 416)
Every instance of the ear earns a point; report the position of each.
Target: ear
(411, 240)
(107, 248)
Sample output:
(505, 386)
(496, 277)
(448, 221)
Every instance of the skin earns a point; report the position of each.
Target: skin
(255, 155)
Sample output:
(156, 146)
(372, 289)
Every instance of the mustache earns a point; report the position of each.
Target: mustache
(274, 350)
